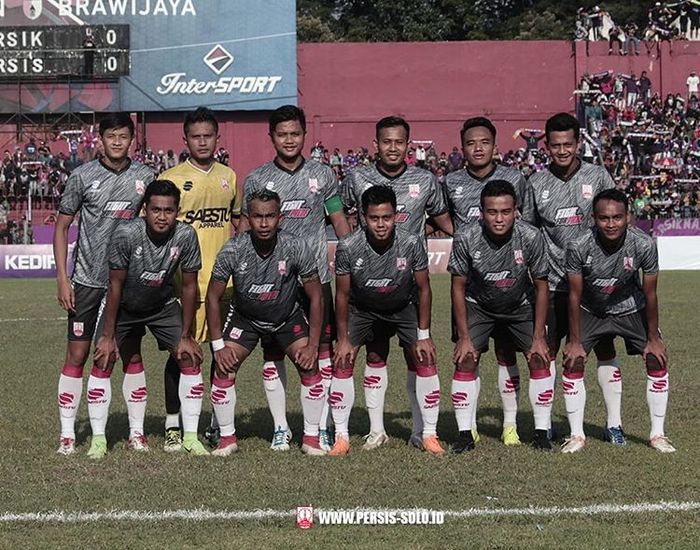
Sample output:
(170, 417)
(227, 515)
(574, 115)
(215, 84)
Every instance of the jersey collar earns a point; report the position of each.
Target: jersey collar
(487, 176)
(387, 176)
(580, 164)
(290, 172)
(116, 172)
(199, 169)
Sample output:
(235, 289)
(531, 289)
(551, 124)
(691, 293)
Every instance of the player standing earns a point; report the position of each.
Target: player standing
(143, 258)
(309, 192)
(499, 286)
(606, 298)
(105, 193)
(463, 192)
(382, 283)
(210, 203)
(266, 266)
(418, 193)
(559, 200)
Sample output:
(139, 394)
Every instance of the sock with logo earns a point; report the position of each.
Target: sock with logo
(191, 391)
(610, 382)
(135, 396)
(99, 396)
(657, 400)
(575, 401)
(223, 401)
(70, 388)
(375, 383)
(428, 396)
(341, 398)
(325, 367)
(509, 388)
(275, 382)
(465, 395)
(313, 394)
(541, 393)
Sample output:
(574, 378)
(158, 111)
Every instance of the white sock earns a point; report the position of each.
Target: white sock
(191, 391)
(325, 367)
(313, 394)
(99, 395)
(375, 383)
(509, 388)
(575, 402)
(341, 398)
(428, 396)
(610, 382)
(657, 400)
(275, 382)
(465, 395)
(478, 390)
(541, 393)
(416, 417)
(553, 372)
(223, 401)
(70, 388)
(135, 396)
(172, 421)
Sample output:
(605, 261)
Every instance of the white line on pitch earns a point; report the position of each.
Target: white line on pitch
(203, 514)
(28, 319)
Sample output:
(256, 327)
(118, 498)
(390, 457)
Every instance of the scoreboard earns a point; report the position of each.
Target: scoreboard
(40, 52)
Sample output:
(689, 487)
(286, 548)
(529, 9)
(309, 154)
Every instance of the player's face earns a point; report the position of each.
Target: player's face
(288, 140)
(201, 139)
(478, 146)
(610, 219)
(392, 144)
(264, 218)
(563, 148)
(161, 214)
(380, 221)
(116, 143)
(499, 215)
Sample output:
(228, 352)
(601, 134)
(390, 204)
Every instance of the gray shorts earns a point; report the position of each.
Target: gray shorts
(88, 304)
(364, 325)
(242, 331)
(165, 324)
(632, 328)
(516, 326)
(557, 318)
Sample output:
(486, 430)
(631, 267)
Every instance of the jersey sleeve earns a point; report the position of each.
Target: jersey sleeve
(520, 191)
(459, 263)
(349, 195)
(342, 258)
(436, 205)
(306, 261)
(650, 258)
(606, 181)
(236, 204)
(420, 255)
(72, 198)
(331, 200)
(574, 260)
(120, 249)
(191, 257)
(529, 208)
(248, 187)
(539, 265)
(226, 259)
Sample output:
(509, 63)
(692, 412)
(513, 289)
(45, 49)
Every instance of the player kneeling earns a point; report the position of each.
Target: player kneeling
(606, 299)
(500, 266)
(143, 257)
(265, 265)
(382, 285)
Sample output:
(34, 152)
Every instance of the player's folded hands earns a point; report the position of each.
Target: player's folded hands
(306, 357)
(463, 349)
(344, 355)
(226, 360)
(189, 346)
(106, 353)
(573, 353)
(425, 351)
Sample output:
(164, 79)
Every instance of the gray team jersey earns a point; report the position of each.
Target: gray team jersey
(500, 277)
(563, 210)
(304, 193)
(611, 282)
(381, 282)
(104, 198)
(265, 289)
(463, 192)
(418, 193)
(150, 266)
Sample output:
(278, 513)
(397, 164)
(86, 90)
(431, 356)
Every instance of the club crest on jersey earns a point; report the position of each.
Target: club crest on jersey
(282, 267)
(568, 216)
(78, 328)
(518, 255)
(313, 185)
(224, 184)
(174, 252)
(401, 263)
(628, 262)
(140, 187)
(587, 191)
(235, 333)
(414, 190)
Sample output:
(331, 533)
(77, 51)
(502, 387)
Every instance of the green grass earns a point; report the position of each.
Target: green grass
(35, 479)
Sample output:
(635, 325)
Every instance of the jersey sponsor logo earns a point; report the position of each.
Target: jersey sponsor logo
(568, 216)
(358, 263)
(477, 256)
(382, 286)
(458, 191)
(518, 256)
(265, 291)
(500, 278)
(78, 328)
(188, 185)
(140, 187)
(400, 264)
(313, 185)
(414, 190)
(270, 185)
(153, 278)
(401, 216)
(242, 268)
(295, 209)
(474, 213)
(119, 210)
(208, 217)
(138, 252)
(606, 286)
(282, 267)
(235, 333)
(628, 263)
(545, 196)
(587, 191)
(94, 186)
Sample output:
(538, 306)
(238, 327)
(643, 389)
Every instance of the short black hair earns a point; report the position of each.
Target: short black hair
(562, 122)
(200, 114)
(392, 122)
(611, 195)
(376, 195)
(477, 122)
(116, 120)
(498, 188)
(287, 113)
(264, 195)
(162, 188)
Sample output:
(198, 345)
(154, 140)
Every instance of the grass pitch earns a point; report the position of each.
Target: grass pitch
(35, 479)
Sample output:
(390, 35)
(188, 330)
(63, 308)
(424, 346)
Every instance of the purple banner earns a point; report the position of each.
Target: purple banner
(43, 234)
(34, 260)
(677, 227)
